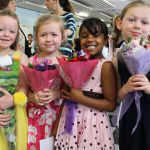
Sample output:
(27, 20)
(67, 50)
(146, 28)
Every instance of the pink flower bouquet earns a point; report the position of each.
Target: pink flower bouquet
(75, 72)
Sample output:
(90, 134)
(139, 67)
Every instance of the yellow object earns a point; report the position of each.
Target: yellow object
(20, 98)
(16, 56)
(22, 130)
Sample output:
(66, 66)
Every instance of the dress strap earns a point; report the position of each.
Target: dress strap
(35, 59)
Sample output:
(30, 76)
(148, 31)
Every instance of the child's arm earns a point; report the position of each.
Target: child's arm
(54, 131)
(109, 87)
(4, 119)
(22, 85)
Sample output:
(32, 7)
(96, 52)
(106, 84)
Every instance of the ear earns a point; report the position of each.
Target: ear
(119, 23)
(106, 41)
(63, 38)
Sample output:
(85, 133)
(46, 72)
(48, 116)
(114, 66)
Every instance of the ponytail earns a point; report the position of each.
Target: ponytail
(117, 33)
(65, 4)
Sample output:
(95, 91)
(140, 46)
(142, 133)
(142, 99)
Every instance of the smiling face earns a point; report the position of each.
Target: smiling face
(12, 5)
(8, 31)
(49, 37)
(93, 43)
(136, 23)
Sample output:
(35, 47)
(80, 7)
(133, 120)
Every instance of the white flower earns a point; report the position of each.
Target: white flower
(32, 147)
(11, 138)
(32, 131)
(31, 112)
(47, 131)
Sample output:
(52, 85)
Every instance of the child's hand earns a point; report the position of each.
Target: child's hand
(4, 119)
(6, 100)
(37, 99)
(128, 86)
(48, 95)
(74, 95)
(140, 83)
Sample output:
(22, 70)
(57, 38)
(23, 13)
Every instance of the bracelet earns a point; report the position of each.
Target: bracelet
(20, 98)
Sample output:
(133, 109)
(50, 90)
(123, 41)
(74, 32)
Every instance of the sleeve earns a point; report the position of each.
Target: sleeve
(71, 23)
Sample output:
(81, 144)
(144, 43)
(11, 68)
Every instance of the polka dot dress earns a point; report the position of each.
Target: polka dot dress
(91, 128)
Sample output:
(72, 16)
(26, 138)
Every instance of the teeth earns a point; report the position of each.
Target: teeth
(91, 46)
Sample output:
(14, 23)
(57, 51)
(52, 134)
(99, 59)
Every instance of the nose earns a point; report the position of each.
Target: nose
(45, 3)
(6, 33)
(137, 25)
(48, 38)
(90, 38)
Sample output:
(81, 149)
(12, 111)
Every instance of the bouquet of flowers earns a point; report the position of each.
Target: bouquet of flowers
(75, 71)
(39, 76)
(135, 55)
(8, 81)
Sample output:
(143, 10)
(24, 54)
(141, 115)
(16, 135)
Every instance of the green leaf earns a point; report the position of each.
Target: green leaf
(147, 42)
(69, 58)
(30, 65)
(141, 41)
(129, 40)
(75, 55)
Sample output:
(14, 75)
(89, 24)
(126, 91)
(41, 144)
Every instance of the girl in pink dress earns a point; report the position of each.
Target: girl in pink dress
(91, 128)
(43, 106)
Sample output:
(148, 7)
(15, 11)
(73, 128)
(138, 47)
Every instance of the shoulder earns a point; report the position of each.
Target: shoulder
(107, 65)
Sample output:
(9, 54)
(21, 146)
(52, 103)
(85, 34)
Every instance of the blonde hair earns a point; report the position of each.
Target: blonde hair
(9, 13)
(124, 11)
(117, 34)
(48, 18)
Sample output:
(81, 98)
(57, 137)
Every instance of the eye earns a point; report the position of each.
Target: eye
(54, 34)
(131, 20)
(12, 31)
(43, 35)
(1, 30)
(96, 35)
(145, 22)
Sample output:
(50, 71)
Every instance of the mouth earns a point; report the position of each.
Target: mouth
(90, 47)
(4, 40)
(135, 33)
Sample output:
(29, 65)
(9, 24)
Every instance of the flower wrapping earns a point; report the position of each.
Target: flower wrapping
(75, 74)
(8, 81)
(135, 57)
(41, 119)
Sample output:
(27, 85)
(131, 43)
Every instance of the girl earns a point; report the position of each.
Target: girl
(64, 10)
(9, 36)
(134, 23)
(49, 41)
(91, 128)
(23, 43)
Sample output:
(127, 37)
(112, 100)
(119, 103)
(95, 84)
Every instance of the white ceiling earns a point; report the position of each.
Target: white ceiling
(103, 9)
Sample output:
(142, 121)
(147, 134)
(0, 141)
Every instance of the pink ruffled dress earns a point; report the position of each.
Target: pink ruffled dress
(91, 128)
(42, 119)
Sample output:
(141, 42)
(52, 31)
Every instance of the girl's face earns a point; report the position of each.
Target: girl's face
(50, 4)
(8, 31)
(49, 37)
(12, 5)
(92, 43)
(136, 23)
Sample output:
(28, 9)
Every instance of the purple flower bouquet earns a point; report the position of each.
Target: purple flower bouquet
(135, 55)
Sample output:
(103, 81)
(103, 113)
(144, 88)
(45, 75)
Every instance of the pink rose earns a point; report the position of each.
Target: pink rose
(136, 43)
(147, 46)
